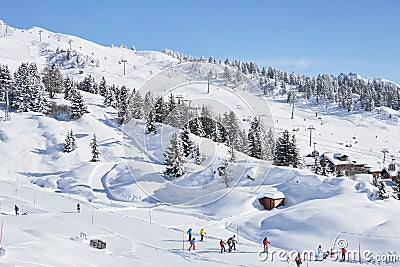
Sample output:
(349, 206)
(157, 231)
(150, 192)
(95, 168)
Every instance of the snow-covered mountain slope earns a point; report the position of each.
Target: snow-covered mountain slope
(143, 217)
(43, 47)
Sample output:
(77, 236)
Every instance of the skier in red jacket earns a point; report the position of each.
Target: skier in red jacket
(265, 243)
(222, 245)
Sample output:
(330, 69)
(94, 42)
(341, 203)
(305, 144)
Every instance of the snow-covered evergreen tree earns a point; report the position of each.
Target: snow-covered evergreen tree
(232, 153)
(238, 77)
(228, 75)
(218, 133)
(160, 110)
(207, 121)
(282, 156)
(69, 88)
(294, 153)
(196, 127)
(95, 149)
(111, 97)
(187, 143)
(29, 93)
(197, 155)
(150, 124)
(88, 85)
(137, 106)
(375, 181)
(233, 133)
(70, 142)
(148, 104)
(254, 140)
(21, 87)
(225, 173)
(322, 167)
(78, 106)
(103, 87)
(382, 192)
(174, 158)
(269, 149)
(6, 82)
(396, 187)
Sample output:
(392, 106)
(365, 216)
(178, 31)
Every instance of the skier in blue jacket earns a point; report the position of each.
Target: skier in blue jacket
(192, 244)
(189, 232)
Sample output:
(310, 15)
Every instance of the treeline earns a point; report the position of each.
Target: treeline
(323, 89)
(244, 67)
(339, 90)
(30, 90)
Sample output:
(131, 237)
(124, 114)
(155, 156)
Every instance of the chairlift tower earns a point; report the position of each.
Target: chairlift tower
(310, 128)
(384, 151)
(124, 61)
(7, 115)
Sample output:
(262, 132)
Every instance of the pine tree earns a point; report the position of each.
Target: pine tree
(52, 80)
(103, 87)
(225, 173)
(69, 88)
(322, 167)
(148, 104)
(282, 157)
(78, 107)
(95, 149)
(20, 95)
(196, 127)
(88, 85)
(269, 145)
(29, 93)
(239, 77)
(382, 193)
(197, 155)
(217, 134)
(111, 99)
(396, 187)
(39, 97)
(207, 121)
(294, 153)
(160, 110)
(70, 142)
(254, 140)
(233, 132)
(187, 143)
(174, 158)
(232, 153)
(150, 126)
(228, 75)
(6, 81)
(375, 181)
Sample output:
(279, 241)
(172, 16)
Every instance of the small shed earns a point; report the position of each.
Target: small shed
(271, 200)
(97, 243)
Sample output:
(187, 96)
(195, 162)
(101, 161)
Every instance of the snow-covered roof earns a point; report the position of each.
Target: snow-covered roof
(337, 158)
(272, 194)
(309, 161)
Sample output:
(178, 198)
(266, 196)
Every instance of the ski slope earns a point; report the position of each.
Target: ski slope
(127, 203)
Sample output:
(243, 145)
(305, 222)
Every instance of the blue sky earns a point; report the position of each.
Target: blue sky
(309, 37)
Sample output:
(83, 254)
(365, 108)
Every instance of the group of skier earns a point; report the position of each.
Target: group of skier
(231, 242)
(192, 241)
